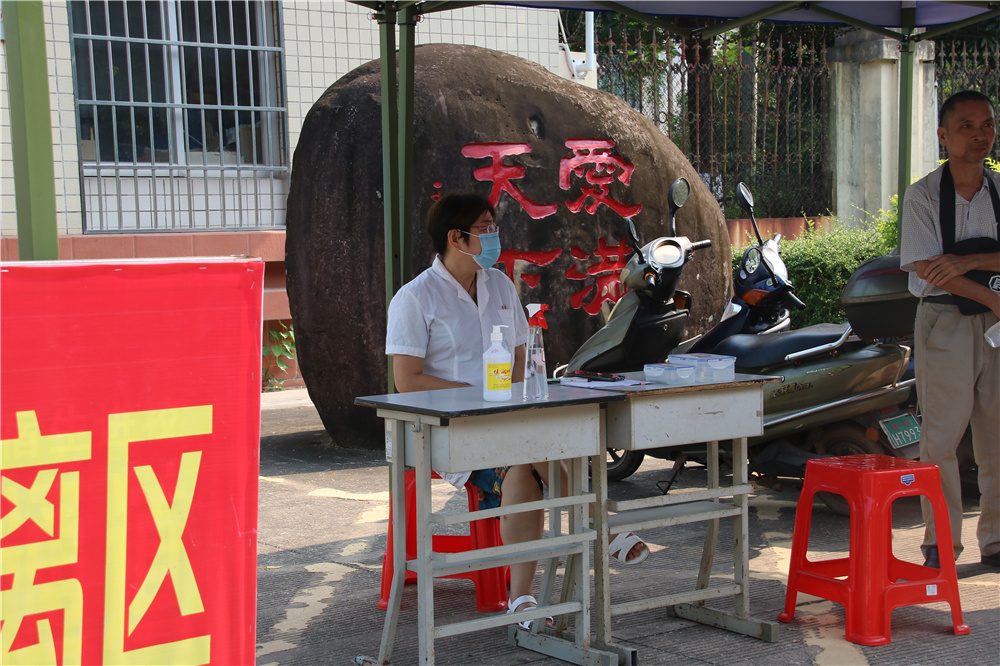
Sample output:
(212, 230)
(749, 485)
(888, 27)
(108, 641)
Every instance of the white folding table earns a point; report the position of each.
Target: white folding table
(659, 415)
(454, 430)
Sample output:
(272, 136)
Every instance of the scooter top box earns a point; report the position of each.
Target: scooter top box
(877, 301)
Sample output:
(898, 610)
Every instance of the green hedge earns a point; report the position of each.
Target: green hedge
(819, 264)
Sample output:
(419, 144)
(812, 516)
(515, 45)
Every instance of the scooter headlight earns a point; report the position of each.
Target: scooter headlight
(666, 254)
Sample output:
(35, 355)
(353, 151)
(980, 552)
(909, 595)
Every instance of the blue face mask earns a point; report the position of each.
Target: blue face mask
(490, 249)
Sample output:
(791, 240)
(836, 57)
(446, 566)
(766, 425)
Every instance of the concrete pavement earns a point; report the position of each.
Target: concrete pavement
(323, 522)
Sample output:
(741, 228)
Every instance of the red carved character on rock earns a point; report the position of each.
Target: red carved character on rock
(606, 167)
(501, 174)
(607, 272)
(508, 257)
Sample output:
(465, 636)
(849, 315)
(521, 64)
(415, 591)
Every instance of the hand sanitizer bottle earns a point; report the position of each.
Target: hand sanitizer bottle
(496, 368)
(536, 382)
(993, 335)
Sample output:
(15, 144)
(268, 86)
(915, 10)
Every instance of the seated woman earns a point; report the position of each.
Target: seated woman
(439, 325)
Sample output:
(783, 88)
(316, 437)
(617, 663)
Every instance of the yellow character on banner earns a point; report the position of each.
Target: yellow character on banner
(25, 598)
(170, 519)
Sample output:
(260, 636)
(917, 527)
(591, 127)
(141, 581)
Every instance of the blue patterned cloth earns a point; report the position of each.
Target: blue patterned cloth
(488, 482)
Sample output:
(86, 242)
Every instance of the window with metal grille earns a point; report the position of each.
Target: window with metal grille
(180, 113)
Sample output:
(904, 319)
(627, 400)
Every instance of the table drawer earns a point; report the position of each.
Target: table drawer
(650, 421)
(534, 435)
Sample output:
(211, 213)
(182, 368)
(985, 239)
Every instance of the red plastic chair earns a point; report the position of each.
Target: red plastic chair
(871, 582)
(491, 584)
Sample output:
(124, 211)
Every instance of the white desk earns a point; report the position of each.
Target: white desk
(455, 430)
(660, 415)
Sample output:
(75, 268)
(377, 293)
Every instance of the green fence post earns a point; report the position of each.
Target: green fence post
(31, 131)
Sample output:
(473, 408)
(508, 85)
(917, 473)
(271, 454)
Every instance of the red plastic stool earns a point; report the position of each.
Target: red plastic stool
(491, 584)
(870, 582)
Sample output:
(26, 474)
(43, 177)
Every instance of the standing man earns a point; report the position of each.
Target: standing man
(958, 373)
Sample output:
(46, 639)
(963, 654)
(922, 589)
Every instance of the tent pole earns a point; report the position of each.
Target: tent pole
(905, 118)
(933, 33)
(390, 158)
(31, 131)
(908, 19)
(732, 24)
(407, 37)
(648, 19)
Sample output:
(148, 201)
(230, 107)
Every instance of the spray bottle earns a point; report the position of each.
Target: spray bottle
(536, 383)
(496, 368)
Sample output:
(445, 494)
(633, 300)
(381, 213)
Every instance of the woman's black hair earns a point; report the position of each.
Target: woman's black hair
(455, 211)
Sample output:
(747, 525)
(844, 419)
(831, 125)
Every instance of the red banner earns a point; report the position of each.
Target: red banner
(130, 423)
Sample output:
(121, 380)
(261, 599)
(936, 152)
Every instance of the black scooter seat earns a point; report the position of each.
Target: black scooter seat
(760, 351)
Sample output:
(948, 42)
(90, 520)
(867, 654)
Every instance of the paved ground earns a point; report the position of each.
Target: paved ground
(323, 521)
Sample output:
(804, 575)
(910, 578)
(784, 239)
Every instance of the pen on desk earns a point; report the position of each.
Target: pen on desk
(594, 377)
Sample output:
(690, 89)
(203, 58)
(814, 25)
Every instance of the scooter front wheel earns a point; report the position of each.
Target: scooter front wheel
(623, 464)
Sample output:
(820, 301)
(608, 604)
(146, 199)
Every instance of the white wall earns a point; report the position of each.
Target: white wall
(324, 41)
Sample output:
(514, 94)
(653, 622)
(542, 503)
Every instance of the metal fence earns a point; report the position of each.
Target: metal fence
(754, 104)
(749, 105)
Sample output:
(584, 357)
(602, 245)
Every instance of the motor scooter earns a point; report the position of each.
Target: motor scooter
(648, 322)
(830, 377)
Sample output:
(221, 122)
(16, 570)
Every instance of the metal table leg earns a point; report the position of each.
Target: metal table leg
(425, 580)
(394, 430)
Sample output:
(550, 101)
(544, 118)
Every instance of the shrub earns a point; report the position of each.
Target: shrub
(886, 222)
(819, 265)
(279, 349)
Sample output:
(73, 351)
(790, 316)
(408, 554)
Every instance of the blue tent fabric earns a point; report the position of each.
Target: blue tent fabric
(883, 13)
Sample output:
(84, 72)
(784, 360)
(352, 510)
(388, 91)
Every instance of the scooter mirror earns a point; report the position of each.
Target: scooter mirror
(744, 197)
(633, 236)
(679, 193)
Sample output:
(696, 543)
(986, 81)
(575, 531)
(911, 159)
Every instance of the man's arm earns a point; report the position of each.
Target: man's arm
(947, 271)
(408, 374)
(944, 267)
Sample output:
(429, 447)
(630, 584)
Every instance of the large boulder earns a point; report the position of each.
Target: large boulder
(574, 162)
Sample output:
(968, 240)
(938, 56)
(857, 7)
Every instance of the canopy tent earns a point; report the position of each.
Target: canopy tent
(893, 19)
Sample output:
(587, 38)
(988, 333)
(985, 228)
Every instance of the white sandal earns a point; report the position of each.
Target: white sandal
(525, 599)
(623, 544)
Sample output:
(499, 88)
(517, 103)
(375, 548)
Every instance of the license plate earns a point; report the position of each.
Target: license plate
(901, 430)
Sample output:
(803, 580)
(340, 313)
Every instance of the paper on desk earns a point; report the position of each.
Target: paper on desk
(597, 384)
